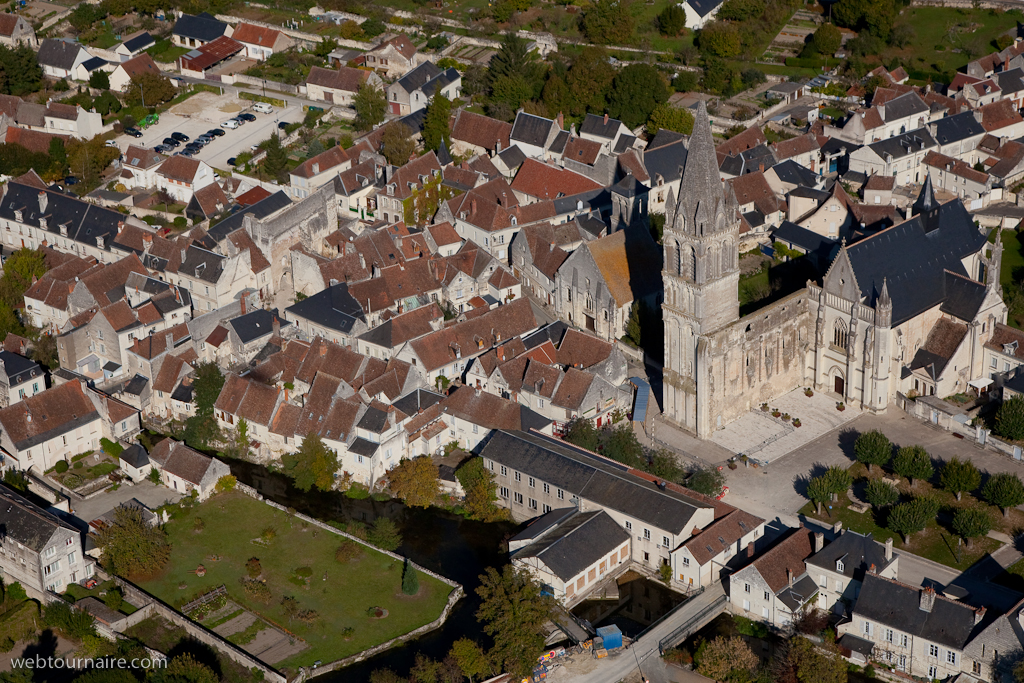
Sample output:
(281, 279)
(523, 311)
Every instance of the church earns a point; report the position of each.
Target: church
(900, 311)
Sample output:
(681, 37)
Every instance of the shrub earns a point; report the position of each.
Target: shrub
(304, 572)
(112, 448)
(113, 599)
(410, 580)
(73, 623)
(268, 533)
(226, 483)
(348, 551)
(1010, 419)
(7, 644)
(198, 524)
(256, 590)
(880, 493)
(253, 567)
(72, 481)
(61, 467)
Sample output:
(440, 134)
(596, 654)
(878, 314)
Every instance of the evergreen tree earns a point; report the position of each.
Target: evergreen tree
(20, 73)
(371, 105)
(410, 580)
(201, 429)
(633, 324)
(276, 162)
(397, 143)
(99, 80)
(635, 93)
(435, 124)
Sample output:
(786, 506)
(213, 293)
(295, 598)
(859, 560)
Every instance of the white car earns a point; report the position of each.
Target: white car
(230, 123)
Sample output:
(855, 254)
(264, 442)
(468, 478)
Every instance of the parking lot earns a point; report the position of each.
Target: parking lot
(207, 110)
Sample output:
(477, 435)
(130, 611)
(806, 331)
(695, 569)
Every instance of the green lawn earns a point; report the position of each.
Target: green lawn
(77, 592)
(165, 51)
(1012, 268)
(233, 522)
(931, 26)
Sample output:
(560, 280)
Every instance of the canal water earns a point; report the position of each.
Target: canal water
(443, 542)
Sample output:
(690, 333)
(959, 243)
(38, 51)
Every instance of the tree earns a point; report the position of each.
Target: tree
(906, 519)
(99, 80)
(670, 118)
(719, 38)
(503, 10)
(970, 523)
(880, 493)
(741, 10)
(425, 670)
(913, 463)
(838, 479)
(807, 662)
(371, 104)
(20, 73)
(315, 148)
(582, 432)
(609, 22)
(415, 481)
(706, 480)
(718, 77)
(185, 668)
(397, 143)
(240, 444)
(89, 158)
(201, 429)
(325, 47)
(819, 491)
(1005, 491)
(623, 446)
(131, 547)
(723, 656)
(481, 491)
(959, 476)
(410, 581)
(150, 89)
(435, 123)
(44, 351)
(275, 163)
(636, 91)
(827, 39)
(19, 270)
(384, 534)
(511, 90)
(513, 610)
(873, 448)
(470, 657)
(1010, 419)
(513, 58)
(313, 465)
(672, 20)
(588, 81)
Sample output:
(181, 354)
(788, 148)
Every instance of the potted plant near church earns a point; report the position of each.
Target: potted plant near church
(808, 392)
(840, 406)
(796, 422)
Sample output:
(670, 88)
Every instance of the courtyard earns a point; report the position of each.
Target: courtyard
(330, 600)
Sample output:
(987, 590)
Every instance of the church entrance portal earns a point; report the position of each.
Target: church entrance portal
(840, 385)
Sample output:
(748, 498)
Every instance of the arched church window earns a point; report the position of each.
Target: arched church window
(679, 259)
(693, 264)
(840, 335)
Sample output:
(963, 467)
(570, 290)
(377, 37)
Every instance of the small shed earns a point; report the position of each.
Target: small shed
(134, 461)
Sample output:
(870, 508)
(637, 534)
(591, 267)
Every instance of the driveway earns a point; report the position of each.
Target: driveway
(148, 493)
(206, 110)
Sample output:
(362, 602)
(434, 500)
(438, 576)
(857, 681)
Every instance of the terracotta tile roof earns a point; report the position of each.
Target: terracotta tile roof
(748, 139)
(141, 157)
(108, 279)
(181, 461)
(999, 115)
(344, 78)
(213, 52)
(257, 406)
(170, 371)
(472, 336)
(32, 140)
(541, 379)
(211, 200)
(255, 35)
(614, 254)
(1003, 335)
(59, 110)
(754, 187)
(339, 361)
(960, 80)
(789, 554)
(542, 353)
(258, 262)
(632, 163)
(581, 350)
(444, 234)
(116, 410)
(322, 163)
(537, 179)
(502, 279)
(415, 174)
(481, 131)
(153, 345)
(880, 182)
(803, 144)
(484, 409)
(573, 389)
(730, 529)
(15, 344)
(955, 166)
(582, 150)
(180, 168)
(547, 256)
(32, 179)
(136, 66)
(252, 196)
(217, 337)
(484, 166)
(394, 284)
(120, 315)
(401, 43)
(46, 415)
(7, 24)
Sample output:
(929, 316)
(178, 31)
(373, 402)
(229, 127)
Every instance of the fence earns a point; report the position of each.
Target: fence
(262, 82)
(694, 622)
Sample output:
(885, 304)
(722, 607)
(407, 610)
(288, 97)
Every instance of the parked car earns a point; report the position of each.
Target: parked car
(163, 149)
(171, 142)
(180, 137)
(215, 132)
(70, 180)
(134, 132)
(282, 125)
(246, 116)
(111, 143)
(204, 140)
(231, 161)
(254, 148)
(230, 123)
(263, 108)
(187, 152)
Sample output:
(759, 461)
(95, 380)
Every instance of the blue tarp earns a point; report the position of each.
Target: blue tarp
(643, 396)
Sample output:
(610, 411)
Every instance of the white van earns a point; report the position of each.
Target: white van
(263, 108)
(230, 123)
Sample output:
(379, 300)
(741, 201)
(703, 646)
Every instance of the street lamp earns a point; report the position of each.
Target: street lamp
(642, 677)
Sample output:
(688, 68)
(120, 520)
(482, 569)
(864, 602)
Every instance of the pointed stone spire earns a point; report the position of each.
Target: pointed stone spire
(883, 306)
(443, 157)
(701, 177)
(670, 209)
(925, 200)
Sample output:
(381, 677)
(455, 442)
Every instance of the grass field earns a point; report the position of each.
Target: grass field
(932, 24)
(164, 51)
(232, 524)
(1011, 268)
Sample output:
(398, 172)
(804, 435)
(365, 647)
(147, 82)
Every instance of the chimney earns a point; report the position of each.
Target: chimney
(169, 338)
(927, 599)
(472, 207)
(551, 247)
(241, 302)
(183, 255)
(872, 569)
(323, 349)
(750, 550)
(561, 121)
(362, 262)
(789, 576)
(147, 243)
(819, 542)
(277, 327)
(606, 119)
(837, 530)
(888, 549)
(979, 614)
(42, 202)
(120, 227)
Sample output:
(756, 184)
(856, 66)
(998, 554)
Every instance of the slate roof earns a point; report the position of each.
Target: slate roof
(794, 174)
(796, 596)
(912, 257)
(900, 146)
(884, 601)
(956, 128)
(25, 522)
(139, 42)
(401, 328)
(904, 106)
(576, 544)
(135, 455)
(512, 157)
(598, 126)
(964, 296)
(593, 478)
(530, 129)
(419, 76)
(417, 400)
(703, 7)
(666, 160)
(257, 324)
(537, 527)
(60, 54)
(801, 237)
(332, 308)
(202, 27)
(858, 552)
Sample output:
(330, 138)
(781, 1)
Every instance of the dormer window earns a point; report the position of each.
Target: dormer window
(391, 190)
(17, 215)
(840, 567)
(64, 229)
(1010, 349)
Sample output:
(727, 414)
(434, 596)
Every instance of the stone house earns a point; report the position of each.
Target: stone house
(318, 170)
(478, 134)
(338, 86)
(775, 588)
(718, 550)
(534, 135)
(19, 378)
(186, 470)
(196, 31)
(261, 41)
(900, 156)
(413, 91)
(959, 178)
(536, 257)
(393, 57)
(182, 177)
(605, 131)
(125, 72)
(60, 58)
(38, 549)
(139, 166)
(840, 566)
(15, 30)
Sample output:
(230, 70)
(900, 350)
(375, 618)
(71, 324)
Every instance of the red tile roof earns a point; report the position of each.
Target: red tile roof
(211, 53)
(255, 35)
(254, 195)
(582, 150)
(344, 78)
(143, 64)
(323, 162)
(481, 131)
(537, 179)
(32, 140)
